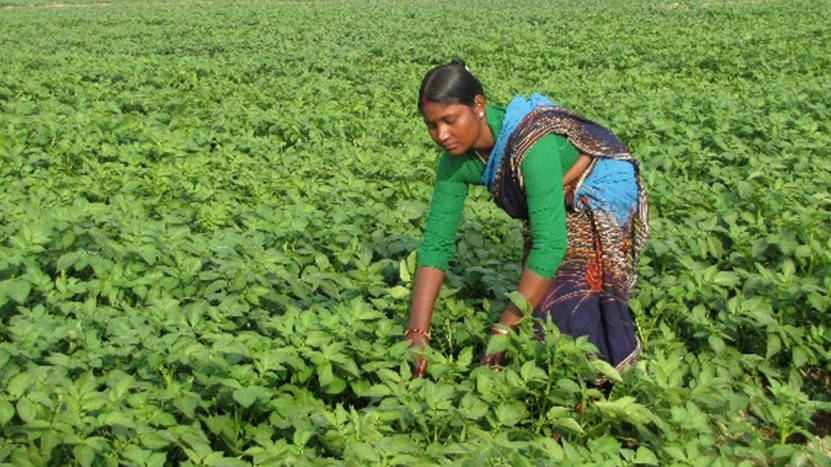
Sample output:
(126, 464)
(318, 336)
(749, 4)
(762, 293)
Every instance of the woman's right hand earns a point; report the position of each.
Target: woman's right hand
(425, 290)
(419, 341)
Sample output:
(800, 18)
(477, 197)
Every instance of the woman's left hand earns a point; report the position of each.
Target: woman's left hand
(494, 359)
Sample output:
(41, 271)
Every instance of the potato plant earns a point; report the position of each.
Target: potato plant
(210, 210)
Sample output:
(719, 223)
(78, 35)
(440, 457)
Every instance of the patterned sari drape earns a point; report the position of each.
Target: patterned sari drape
(606, 219)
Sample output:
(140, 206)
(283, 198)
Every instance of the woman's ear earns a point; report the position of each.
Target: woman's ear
(479, 103)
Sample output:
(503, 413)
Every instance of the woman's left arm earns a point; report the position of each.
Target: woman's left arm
(543, 174)
(532, 286)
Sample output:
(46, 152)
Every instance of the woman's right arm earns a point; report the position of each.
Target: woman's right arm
(428, 281)
(452, 176)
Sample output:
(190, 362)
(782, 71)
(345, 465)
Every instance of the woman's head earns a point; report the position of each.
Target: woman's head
(452, 104)
(452, 83)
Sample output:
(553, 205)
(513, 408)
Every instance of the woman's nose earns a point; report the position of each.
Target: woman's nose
(444, 134)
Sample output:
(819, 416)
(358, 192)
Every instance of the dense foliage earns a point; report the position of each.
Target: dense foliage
(209, 210)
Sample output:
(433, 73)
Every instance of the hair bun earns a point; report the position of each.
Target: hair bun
(458, 61)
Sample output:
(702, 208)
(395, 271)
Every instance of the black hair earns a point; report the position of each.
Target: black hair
(451, 83)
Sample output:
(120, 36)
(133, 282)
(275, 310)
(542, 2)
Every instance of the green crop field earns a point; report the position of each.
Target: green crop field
(209, 211)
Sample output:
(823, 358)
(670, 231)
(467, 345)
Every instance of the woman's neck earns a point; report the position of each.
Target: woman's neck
(484, 143)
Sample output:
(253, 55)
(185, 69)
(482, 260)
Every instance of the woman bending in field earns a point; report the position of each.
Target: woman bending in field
(571, 181)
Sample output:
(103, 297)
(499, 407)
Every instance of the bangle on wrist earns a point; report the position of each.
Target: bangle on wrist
(417, 331)
(500, 328)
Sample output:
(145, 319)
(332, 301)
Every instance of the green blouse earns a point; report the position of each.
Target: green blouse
(542, 169)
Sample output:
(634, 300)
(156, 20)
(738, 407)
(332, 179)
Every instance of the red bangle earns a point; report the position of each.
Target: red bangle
(417, 331)
(498, 329)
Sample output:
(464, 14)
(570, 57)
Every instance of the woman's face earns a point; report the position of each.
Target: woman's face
(455, 127)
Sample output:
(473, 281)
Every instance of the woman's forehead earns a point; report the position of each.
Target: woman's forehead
(433, 111)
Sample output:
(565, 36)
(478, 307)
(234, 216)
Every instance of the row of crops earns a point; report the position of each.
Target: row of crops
(209, 210)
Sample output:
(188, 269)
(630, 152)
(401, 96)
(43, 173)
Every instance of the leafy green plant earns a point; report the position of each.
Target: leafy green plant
(209, 215)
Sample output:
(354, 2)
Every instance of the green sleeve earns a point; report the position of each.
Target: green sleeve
(453, 175)
(542, 171)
